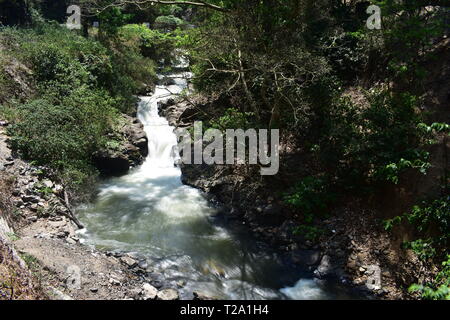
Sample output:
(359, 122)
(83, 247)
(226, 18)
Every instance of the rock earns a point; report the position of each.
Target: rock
(325, 268)
(18, 203)
(62, 234)
(47, 183)
(4, 123)
(201, 296)
(30, 198)
(143, 264)
(71, 241)
(57, 188)
(306, 257)
(149, 292)
(2, 167)
(132, 152)
(114, 282)
(8, 163)
(32, 218)
(130, 262)
(168, 294)
(94, 290)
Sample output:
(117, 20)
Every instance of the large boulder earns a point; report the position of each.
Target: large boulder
(130, 153)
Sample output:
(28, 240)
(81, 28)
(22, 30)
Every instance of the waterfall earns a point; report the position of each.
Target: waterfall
(150, 212)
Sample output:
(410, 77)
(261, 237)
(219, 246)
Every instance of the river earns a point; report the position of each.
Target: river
(151, 213)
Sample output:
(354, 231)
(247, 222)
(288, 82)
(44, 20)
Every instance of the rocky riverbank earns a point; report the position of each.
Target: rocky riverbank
(39, 243)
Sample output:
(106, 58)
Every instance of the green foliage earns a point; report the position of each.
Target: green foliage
(431, 220)
(311, 233)
(365, 145)
(152, 43)
(111, 20)
(81, 86)
(63, 132)
(440, 288)
(311, 197)
(232, 119)
(169, 21)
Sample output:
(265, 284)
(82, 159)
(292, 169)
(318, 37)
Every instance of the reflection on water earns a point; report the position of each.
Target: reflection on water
(151, 212)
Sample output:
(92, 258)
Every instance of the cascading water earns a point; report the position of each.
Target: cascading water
(150, 212)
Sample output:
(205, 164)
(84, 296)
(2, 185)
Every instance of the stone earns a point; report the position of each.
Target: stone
(130, 262)
(149, 292)
(168, 294)
(47, 183)
(71, 241)
(94, 290)
(30, 198)
(114, 282)
(201, 296)
(325, 267)
(32, 218)
(62, 234)
(8, 163)
(18, 203)
(57, 188)
(306, 257)
(143, 264)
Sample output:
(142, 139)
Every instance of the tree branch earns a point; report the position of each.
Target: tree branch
(139, 3)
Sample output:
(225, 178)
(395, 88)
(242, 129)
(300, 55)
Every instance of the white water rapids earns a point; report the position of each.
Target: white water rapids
(150, 212)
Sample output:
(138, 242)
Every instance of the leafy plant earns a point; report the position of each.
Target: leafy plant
(311, 197)
(439, 289)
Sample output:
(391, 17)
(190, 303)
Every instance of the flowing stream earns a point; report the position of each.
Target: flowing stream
(151, 213)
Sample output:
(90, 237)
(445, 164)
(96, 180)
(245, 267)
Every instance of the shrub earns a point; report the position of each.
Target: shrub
(311, 197)
(439, 289)
(63, 132)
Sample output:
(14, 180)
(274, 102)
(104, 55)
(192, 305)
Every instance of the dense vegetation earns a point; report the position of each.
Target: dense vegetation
(349, 96)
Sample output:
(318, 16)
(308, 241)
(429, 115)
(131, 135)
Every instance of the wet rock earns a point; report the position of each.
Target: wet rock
(306, 257)
(130, 262)
(149, 292)
(201, 296)
(325, 269)
(143, 264)
(168, 294)
(132, 152)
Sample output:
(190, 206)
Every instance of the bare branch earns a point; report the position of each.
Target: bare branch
(97, 8)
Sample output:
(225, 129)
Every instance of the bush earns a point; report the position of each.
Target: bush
(311, 197)
(64, 134)
(365, 145)
(439, 289)
(153, 44)
(170, 22)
